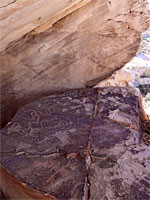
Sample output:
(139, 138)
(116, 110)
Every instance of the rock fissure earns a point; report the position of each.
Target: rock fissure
(73, 145)
(68, 139)
(33, 32)
(89, 151)
(9, 4)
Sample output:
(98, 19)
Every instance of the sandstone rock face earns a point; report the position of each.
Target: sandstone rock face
(56, 45)
(80, 145)
(119, 78)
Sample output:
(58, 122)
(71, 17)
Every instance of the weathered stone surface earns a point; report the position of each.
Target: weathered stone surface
(19, 18)
(73, 146)
(121, 172)
(56, 45)
(52, 124)
(59, 175)
(118, 78)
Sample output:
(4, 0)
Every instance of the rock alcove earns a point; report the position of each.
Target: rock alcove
(51, 46)
(75, 142)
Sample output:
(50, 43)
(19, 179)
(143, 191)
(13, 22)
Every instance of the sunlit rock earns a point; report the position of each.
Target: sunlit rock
(48, 46)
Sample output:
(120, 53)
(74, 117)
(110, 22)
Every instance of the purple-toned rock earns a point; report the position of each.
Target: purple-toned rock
(77, 145)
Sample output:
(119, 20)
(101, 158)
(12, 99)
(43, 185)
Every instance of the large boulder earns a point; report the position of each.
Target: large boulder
(56, 45)
(77, 145)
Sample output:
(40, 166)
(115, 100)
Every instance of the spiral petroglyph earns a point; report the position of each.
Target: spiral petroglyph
(55, 123)
(70, 148)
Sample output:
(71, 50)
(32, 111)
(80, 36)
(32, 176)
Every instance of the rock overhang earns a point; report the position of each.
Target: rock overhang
(64, 45)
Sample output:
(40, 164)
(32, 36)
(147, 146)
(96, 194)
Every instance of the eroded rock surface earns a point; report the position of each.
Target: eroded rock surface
(73, 146)
(55, 45)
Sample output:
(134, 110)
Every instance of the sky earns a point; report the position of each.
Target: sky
(149, 3)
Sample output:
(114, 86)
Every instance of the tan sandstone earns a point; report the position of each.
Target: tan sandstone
(56, 45)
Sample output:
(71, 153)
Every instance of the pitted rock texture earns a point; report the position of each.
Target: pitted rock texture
(48, 46)
(68, 146)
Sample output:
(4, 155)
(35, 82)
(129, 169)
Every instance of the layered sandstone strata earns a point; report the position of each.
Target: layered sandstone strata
(56, 45)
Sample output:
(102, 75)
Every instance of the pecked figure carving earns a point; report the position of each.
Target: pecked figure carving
(68, 146)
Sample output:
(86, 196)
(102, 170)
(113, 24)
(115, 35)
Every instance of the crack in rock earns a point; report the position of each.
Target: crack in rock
(9, 4)
(88, 157)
